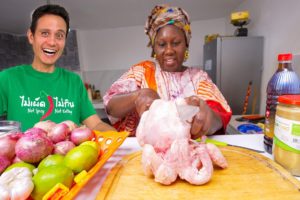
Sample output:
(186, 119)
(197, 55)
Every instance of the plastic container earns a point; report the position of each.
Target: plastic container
(287, 133)
(284, 81)
(249, 129)
(109, 142)
(8, 127)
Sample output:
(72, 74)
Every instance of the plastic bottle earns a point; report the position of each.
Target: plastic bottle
(284, 81)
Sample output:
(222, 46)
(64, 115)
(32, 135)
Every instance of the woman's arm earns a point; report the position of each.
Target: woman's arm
(122, 104)
(140, 100)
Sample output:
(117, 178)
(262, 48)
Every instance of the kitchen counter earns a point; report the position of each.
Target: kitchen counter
(98, 104)
(130, 145)
(233, 125)
(100, 109)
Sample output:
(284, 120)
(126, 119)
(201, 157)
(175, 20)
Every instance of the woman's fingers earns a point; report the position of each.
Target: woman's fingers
(144, 100)
(200, 125)
(193, 100)
(201, 121)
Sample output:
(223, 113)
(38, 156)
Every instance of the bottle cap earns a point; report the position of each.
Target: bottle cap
(285, 57)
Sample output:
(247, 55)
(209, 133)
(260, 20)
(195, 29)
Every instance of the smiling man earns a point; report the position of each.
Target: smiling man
(42, 91)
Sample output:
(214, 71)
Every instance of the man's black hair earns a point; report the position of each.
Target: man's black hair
(49, 9)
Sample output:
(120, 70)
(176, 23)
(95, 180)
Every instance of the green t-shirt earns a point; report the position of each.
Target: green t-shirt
(29, 96)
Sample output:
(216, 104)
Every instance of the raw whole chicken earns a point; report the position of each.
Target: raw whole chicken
(169, 151)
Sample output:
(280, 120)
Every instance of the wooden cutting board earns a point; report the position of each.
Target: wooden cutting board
(249, 176)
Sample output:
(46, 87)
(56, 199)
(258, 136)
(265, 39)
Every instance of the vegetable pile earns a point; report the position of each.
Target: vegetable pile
(43, 156)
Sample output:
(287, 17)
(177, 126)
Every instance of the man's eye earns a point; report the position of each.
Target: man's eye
(45, 34)
(60, 36)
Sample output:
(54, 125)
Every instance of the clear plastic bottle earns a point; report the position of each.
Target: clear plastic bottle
(284, 81)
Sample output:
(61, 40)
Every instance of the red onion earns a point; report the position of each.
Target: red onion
(16, 159)
(35, 130)
(70, 124)
(32, 147)
(7, 146)
(81, 134)
(15, 136)
(4, 163)
(59, 133)
(63, 147)
(45, 125)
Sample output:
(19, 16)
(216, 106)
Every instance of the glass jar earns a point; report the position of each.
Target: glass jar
(8, 127)
(287, 133)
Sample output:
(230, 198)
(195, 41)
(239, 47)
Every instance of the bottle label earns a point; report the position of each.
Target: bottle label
(288, 133)
(269, 123)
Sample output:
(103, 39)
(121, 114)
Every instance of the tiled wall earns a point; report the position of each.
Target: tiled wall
(15, 50)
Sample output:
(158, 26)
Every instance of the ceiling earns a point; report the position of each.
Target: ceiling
(107, 14)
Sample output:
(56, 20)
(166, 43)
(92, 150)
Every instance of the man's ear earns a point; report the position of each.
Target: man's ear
(30, 36)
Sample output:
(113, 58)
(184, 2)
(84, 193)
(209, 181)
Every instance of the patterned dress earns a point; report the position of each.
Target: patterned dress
(169, 86)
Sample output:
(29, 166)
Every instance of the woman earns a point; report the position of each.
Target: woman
(167, 78)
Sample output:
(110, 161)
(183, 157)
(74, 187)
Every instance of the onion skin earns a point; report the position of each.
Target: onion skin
(81, 134)
(32, 147)
(63, 147)
(16, 159)
(15, 136)
(7, 146)
(4, 163)
(45, 125)
(34, 130)
(59, 133)
(70, 124)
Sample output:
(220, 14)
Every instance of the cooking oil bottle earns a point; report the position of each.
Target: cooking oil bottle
(284, 81)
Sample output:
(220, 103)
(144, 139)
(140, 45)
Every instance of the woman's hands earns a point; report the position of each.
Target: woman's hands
(144, 99)
(206, 121)
(122, 104)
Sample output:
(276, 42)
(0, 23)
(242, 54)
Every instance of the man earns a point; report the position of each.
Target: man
(41, 91)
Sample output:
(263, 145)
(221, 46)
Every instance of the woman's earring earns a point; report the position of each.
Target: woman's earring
(186, 55)
(154, 56)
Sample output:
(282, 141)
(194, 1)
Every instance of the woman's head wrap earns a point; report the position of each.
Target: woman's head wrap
(162, 15)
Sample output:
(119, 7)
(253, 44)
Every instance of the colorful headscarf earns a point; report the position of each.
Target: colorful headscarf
(162, 15)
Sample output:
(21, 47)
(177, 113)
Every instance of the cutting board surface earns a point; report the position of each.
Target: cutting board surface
(249, 176)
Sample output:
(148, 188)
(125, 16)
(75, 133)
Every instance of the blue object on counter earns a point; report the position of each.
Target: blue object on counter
(249, 129)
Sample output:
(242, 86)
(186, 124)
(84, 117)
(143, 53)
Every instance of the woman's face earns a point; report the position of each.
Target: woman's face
(169, 47)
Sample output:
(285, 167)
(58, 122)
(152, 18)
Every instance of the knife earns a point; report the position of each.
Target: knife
(222, 144)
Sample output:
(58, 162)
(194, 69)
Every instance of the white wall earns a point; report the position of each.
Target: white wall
(106, 54)
(112, 48)
(278, 22)
(199, 30)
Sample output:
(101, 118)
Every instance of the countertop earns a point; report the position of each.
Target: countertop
(130, 145)
(98, 104)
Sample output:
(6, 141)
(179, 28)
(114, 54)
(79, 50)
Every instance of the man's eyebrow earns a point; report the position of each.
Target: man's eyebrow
(61, 30)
